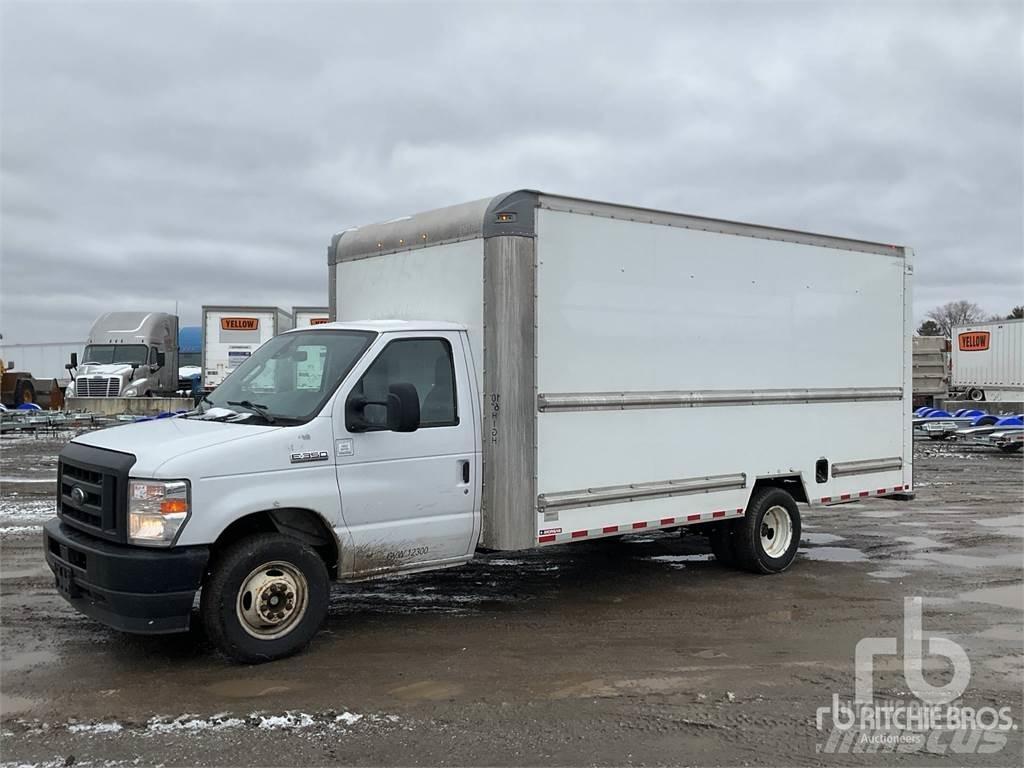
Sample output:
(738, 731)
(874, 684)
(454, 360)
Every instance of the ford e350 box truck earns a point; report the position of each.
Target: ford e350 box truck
(517, 372)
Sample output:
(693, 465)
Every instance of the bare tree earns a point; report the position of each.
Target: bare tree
(956, 313)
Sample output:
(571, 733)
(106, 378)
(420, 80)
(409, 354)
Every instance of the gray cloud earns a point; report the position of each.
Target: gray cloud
(162, 152)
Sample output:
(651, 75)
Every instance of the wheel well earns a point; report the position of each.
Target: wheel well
(302, 524)
(791, 484)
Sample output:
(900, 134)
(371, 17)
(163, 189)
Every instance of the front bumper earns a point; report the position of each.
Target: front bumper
(133, 589)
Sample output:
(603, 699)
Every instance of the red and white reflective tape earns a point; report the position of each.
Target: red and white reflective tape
(854, 495)
(555, 535)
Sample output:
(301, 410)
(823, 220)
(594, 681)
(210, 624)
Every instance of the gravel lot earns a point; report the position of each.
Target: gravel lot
(634, 651)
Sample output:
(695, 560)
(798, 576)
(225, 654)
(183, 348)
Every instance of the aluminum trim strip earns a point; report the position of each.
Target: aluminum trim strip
(614, 401)
(867, 467)
(613, 494)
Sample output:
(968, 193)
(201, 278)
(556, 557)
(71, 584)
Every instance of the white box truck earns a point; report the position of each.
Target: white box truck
(231, 334)
(307, 316)
(518, 372)
(988, 361)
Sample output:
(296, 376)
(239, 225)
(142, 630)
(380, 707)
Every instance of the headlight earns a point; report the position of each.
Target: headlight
(156, 511)
(130, 391)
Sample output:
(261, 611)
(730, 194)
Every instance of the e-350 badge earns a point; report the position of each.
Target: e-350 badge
(304, 456)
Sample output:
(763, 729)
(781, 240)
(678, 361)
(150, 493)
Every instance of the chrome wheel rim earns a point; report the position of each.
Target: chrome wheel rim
(272, 600)
(776, 531)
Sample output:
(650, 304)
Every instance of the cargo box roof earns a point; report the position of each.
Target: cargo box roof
(512, 213)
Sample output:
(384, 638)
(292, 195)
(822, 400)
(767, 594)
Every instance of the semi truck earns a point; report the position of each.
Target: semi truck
(307, 316)
(988, 361)
(232, 333)
(519, 372)
(127, 354)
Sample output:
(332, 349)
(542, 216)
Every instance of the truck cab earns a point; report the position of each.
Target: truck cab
(127, 354)
(342, 450)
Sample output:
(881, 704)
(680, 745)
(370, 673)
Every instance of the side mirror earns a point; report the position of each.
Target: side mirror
(74, 360)
(9, 365)
(403, 408)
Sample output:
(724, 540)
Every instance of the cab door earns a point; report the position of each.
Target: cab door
(409, 498)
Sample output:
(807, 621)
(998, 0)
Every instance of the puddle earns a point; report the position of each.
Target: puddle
(27, 659)
(16, 705)
(966, 561)
(1012, 632)
(679, 561)
(820, 538)
(834, 554)
(921, 542)
(890, 573)
(427, 690)
(246, 688)
(880, 515)
(1010, 596)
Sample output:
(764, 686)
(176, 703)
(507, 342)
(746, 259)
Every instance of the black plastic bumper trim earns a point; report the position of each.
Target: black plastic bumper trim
(132, 589)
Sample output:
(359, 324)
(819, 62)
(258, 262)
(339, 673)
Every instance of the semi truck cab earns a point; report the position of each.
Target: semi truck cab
(128, 354)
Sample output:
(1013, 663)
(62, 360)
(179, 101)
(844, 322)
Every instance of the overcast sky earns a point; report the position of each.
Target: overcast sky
(206, 152)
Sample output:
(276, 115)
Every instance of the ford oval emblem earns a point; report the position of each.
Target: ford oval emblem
(78, 495)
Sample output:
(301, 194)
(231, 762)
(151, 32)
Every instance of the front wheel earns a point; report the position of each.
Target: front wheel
(766, 539)
(265, 598)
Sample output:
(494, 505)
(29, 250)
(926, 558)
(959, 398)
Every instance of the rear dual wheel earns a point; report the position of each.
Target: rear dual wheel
(765, 540)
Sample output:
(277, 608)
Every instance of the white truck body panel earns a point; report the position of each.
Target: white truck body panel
(625, 307)
(801, 346)
(304, 317)
(231, 334)
(990, 357)
(44, 360)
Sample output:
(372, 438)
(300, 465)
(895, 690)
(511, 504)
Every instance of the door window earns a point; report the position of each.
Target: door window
(424, 363)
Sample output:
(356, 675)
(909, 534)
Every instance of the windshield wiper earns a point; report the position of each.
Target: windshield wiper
(255, 408)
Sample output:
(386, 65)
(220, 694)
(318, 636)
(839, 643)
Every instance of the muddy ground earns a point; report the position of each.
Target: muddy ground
(635, 651)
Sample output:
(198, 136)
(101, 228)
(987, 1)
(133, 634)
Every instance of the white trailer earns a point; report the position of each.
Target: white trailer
(232, 333)
(988, 361)
(518, 372)
(45, 360)
(304, 317)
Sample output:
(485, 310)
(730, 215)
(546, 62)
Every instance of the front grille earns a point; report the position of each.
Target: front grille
(97, 386)
(92, 488)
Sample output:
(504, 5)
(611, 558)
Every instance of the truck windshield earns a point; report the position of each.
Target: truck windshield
(115, 353)
(289, 378)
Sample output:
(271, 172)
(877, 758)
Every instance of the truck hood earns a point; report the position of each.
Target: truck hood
(155, 442)
(105, 369)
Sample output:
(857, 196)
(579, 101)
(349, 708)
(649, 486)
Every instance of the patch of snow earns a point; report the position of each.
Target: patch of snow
(348, 718)
(287, 721)
(189, 723)
(95, 727)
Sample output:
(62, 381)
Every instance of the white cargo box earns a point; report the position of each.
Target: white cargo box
(231, 334)
(988, 360)
(304, 317)
(643, 369)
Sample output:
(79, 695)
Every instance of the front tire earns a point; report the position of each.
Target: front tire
(265, 598)
(766, 539)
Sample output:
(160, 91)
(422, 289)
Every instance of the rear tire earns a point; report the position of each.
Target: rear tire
(977, 395)
(767, 537)
(24, 392)
(265, 598)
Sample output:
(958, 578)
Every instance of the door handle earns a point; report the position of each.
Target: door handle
(465, 471)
